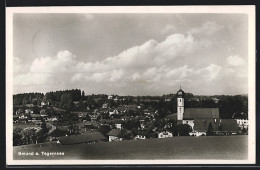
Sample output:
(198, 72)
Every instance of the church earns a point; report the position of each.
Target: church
(200, 118)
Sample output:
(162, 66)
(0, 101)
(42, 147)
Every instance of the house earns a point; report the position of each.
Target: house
(23, 117)
(105, 106)
(93, 117)
(202, 125)
(225, 126)
(52, 119)
(142, 133)
(28, 111)
(29, 105)
(118, 124)
(35, 118)
(85, 138)
(18, 111)
(43, 103)
(167, 99)
(114, 135)
(165, 134)
(57, 132)
(15, 118)
(139, 137)
(115, 99)
(242, 123)
(142, 123)
(110, 97)
(228, 126)
(113, 112)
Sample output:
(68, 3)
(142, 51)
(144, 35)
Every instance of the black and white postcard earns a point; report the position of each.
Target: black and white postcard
(130, 85)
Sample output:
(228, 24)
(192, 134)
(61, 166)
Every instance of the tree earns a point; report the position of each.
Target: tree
(184, 129)
(88, 118)
(173, 127)
(104, 129)
(210, 129)
(125, 134)
(66, 101)
(29, 135)
(17, 137)
(44, 127)
(73, 117)
(73, 129)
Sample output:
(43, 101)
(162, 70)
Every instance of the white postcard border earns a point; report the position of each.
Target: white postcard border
(247, 9)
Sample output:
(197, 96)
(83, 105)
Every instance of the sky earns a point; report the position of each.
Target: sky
(131, 54)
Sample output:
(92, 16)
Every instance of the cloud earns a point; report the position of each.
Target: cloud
(168, 29)
(153, 67)
(207, 28)
(235, 60)
(210, 72)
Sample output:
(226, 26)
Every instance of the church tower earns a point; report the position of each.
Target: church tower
(180, 104)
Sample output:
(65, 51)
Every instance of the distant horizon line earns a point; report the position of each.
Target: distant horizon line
(135, 94)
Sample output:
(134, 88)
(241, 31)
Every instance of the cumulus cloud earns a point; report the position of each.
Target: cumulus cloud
(208, 28)
(235, 60)
(152, 66)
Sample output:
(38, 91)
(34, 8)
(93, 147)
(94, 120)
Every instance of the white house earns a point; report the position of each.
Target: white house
(242, 123)
(110, 97)
(118, 125)
(140, 137)
(113, 112)
(197, 133)
(165, 134)
(113, 135)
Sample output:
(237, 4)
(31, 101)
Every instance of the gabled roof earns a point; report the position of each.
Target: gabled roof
(114, 132)
(76, 139)
(219, 125)
(201, 113)
(228, 125)
(58, 109)
(202, 125)
(57, 133)
(172, 116)
(118, 121)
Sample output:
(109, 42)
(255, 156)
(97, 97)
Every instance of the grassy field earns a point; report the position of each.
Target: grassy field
(212, 147)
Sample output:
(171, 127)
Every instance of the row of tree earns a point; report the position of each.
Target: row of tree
(28, 98)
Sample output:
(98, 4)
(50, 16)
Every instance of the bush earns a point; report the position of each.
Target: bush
(184, 129)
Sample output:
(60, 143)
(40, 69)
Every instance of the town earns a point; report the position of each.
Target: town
(71, 117)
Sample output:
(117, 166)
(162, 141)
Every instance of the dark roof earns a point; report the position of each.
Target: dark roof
(203, 124)
(29, 105)
(114, 132)
(58, 109)
(58, 132)
(229, 125)
(201, 113)
(76, 139)
(180, 93)
(62, 128)
(118, 121)
(172, 116)
(219, 125)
